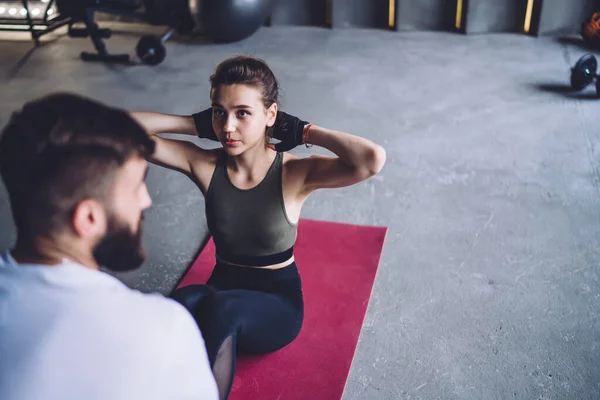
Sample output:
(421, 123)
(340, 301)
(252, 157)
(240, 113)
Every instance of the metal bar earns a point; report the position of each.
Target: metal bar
(50, 3)
(528, 16)
(12, 21)
(15, 28)
(459, 14)
(25, 27)
(39, 29)
(36, 26)
(8, 21)
(122, 13)
(30, 23)
(54, 27)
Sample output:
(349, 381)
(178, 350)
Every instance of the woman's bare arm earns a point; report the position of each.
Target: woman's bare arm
(198, 124)
(174, 154)
(357, 159)
(155, 123)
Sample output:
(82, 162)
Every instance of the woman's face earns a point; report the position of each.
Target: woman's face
(240, 117)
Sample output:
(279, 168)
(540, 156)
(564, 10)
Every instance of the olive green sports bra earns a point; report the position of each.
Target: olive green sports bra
(249, 227)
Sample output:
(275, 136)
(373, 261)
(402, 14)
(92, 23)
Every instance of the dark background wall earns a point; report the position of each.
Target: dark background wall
(494, 15)
(360, 13)
(563, 16)
(483, 16)
(300, 12)
(425, 15)
(479, 16)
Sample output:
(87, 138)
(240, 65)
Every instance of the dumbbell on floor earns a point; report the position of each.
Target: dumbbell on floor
(584, 73)
(151, 49)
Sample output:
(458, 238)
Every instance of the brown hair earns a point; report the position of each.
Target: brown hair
(248, 71)
(59, 150)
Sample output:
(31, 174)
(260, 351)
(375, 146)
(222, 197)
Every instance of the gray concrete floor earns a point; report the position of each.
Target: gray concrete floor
(488, 285)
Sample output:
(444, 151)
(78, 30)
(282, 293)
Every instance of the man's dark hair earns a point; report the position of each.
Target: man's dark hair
(60, 150)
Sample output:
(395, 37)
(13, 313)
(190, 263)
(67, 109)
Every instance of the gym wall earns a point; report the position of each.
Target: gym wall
(537, 17)
(360, 13)
(425, 15)
(300, 12)
(545, 17)
(494, 16)
(564, 16)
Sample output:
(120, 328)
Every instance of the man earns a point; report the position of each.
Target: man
(75, 172)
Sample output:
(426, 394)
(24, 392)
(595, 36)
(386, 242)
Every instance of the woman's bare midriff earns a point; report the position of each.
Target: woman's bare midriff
(274, 266)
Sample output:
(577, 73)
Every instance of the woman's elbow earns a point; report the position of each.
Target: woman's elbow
(377, 158)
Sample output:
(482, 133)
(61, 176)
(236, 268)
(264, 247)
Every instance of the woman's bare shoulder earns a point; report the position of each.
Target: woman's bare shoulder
(207, 156)
(294, 163)
(294, 173)
(204, 166)
(289, 157)
(291, 162)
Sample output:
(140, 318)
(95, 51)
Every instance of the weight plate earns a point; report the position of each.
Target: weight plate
(582, 74)
(151, 50)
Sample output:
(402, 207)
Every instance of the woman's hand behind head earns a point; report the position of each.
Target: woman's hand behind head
(289, 130)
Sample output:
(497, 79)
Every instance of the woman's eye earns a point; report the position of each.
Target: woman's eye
(243, 113)
(219, 113)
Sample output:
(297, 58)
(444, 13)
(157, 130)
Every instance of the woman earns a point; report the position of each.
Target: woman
(254, 193)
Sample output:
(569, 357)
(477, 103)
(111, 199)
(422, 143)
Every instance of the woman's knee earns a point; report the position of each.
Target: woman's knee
(266, 335)
(194, 296)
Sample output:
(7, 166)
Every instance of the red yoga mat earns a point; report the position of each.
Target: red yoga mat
(337, 263)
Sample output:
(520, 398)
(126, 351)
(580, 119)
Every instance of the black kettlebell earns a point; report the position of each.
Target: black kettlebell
(584, 73)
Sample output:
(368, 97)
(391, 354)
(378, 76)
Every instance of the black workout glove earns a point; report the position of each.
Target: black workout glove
(289, 130)
(203, 123)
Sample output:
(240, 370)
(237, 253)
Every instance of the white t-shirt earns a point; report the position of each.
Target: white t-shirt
(69, 332)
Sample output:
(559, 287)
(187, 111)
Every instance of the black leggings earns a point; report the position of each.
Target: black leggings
(251, 310)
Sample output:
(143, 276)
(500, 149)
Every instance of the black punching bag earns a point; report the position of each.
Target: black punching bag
(232, 20)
